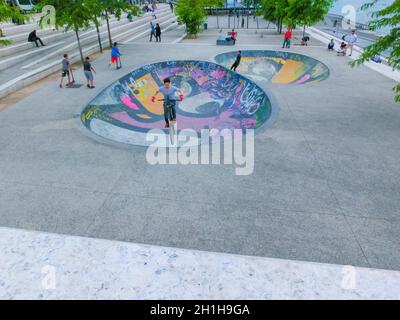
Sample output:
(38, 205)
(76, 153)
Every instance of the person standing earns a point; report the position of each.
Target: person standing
(154, 8)
(352, 40)
(237, 61)
(288, 37)
(152, 31)
(88, 71)
(66, 71)
(233, 36)
(158, 33)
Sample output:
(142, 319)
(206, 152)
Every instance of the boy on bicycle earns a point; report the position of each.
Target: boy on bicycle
(170, 99)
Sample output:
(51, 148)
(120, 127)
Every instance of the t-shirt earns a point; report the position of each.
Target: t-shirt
(233, 35)
(65, 64)
(87, 66)
(169, 93)
(115, 52)
(353, 39)
(288, 35)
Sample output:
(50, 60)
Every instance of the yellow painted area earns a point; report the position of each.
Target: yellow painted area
(147, 87)
(143, 116)
(290, 71)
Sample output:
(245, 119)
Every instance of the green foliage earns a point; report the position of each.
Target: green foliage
(8, 13)
(387, 17)
(70, 14)
(306, 12)
(192, 14)
(118, 7)
(295, 12)
(213, 3)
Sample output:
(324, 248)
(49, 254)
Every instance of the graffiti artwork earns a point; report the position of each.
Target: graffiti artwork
(215, 98)
(277, 66)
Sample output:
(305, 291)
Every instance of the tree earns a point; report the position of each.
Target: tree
(213, 4)
(117, 7)
(389, 18)
(71, 15)
(96, 9)
(306, 12)
(192, 14)
(274, 11)
(9, 13)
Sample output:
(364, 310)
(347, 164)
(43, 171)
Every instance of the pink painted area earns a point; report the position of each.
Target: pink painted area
(218, 74)
(303, 79)
(225, 120)
(127, 101)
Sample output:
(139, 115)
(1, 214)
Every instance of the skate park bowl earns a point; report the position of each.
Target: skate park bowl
(215, 98)
(276, 66)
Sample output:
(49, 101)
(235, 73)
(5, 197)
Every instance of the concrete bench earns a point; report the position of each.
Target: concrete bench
(224, 41)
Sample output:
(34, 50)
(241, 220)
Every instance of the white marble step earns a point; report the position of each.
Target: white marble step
(49, 266)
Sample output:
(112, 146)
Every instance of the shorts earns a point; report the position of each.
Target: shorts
(65, 73)
(89, 75)
(114, 59)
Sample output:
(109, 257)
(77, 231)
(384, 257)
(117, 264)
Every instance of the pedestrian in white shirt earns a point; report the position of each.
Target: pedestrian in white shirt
(352, 40)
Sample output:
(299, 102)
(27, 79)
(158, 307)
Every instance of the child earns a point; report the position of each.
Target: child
(342, 50)
(115, 56)
(65, 71)
(331, 45)
(169, 93)
(288, 37)
(233, 36)
(88, 69)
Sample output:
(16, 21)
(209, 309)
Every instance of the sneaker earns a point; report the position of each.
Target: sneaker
(167, 125)
(61, 86)
(92, 87)
(88, 86)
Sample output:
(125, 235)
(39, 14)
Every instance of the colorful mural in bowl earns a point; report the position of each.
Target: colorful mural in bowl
(215, 98)
(276, 66)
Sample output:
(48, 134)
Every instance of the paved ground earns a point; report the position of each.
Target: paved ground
(325, 185)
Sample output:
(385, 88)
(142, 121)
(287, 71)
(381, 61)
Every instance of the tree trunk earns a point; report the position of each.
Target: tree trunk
(99, 39)
(304, 31)
(108, 29)
(217, 21)
(79, 44)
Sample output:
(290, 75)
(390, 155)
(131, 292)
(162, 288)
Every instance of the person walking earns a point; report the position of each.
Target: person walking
(288, 37)
(352, 40)
(152, 31)
(237, 61)
(171, 5)
(34, 38)
(158, 33)
(88, 71)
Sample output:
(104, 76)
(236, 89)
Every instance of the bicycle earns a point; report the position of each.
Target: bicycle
(170, 104)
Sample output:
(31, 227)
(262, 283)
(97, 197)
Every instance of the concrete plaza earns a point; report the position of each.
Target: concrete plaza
(325, 186)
